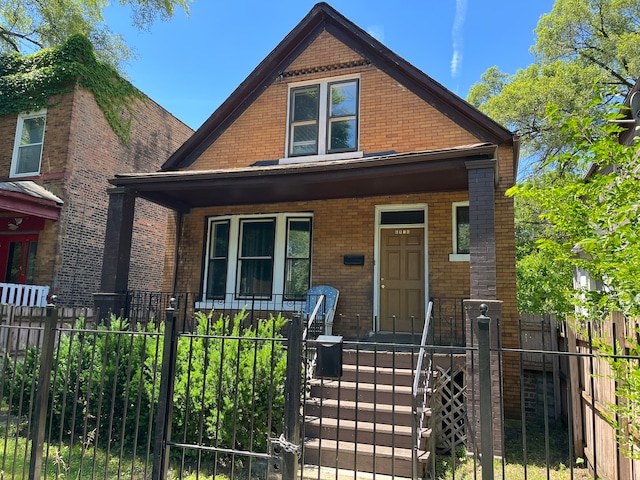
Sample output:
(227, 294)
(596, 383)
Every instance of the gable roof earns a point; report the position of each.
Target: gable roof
(323, 17)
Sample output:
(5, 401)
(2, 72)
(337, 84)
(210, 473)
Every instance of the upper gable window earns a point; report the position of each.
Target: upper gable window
(27, 150)
(323, 118)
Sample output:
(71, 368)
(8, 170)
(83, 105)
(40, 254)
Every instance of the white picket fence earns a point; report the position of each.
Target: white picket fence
(23, 295)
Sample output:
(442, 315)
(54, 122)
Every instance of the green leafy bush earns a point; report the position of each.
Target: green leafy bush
(229, 383)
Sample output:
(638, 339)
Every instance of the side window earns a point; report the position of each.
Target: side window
(27, 151)
(218, 260)
(460, 234)
(298, 258)
(343, 120)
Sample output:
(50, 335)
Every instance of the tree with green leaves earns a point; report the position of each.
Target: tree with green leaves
(586, 59)
(579, 44)
(595, 222)
(594, 225)
(29, 25)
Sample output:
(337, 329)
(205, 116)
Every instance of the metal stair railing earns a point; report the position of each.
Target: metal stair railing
(421, 383)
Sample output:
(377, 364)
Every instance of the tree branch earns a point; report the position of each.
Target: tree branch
(606, 68)
(10, 37)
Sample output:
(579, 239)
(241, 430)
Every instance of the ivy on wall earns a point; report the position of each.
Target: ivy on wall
(31, 82)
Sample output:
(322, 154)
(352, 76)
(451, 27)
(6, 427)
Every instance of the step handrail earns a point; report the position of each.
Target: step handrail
(423, 350)
(419, 405)
(313, 316)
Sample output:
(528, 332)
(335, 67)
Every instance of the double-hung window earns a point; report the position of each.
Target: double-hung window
(461, 233)
(27, 150)
(258, 256)
(323, 118)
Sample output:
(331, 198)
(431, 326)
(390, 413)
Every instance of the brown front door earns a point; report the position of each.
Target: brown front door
(402, 279)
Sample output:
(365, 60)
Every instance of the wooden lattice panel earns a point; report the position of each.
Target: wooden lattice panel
(449, 408)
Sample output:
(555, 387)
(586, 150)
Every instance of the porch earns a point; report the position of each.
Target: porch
(448, 316)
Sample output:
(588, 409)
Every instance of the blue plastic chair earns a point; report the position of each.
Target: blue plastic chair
(323, 323)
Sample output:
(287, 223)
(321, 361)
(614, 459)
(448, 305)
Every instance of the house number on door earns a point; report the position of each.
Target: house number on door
(403, 232)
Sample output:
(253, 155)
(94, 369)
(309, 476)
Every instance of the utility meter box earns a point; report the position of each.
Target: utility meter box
(329, 360)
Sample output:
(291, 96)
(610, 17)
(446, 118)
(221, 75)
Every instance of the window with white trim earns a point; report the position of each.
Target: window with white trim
(258, 256)
(461, 234)
(323, 118)
(27, 150)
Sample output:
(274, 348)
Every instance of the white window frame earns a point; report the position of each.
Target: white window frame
(455, 256)
(233, 257)
(16, 146)
(323, 122)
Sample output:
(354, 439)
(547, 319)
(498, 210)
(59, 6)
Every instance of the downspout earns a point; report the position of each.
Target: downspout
(174, 281)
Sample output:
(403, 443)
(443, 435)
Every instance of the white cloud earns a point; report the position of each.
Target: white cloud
(377, 32)
(458, 37)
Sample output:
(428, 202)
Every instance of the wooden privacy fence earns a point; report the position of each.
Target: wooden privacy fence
(593, 392)
(23, 325)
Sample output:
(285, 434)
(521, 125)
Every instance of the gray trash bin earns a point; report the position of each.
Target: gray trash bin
(329, 361)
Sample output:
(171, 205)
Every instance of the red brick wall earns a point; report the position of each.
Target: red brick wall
(408, 125)
(331, 241)
(80, 154)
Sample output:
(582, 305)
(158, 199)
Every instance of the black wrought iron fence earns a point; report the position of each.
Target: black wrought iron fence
(160, 400)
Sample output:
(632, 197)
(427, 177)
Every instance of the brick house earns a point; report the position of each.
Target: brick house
(337, 162)
(53, 194)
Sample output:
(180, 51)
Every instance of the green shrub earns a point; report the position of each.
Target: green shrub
(228, 384)
(230, 380)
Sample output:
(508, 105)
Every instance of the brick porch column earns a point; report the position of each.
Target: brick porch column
(117, 251)
(482, 233)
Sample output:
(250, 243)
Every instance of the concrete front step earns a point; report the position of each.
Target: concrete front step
(362, 457)
(362, 392)
(380, 358)
(369, 374)
(361, 411)
(381, 434)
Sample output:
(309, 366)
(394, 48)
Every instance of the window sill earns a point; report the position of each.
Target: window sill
(459, 257)
(321, 158)
(24, 175)
(275, 305)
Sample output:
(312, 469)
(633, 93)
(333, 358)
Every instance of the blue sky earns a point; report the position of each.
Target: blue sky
(190, 65)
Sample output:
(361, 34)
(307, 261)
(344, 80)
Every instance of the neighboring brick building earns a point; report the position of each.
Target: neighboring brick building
(53, 194)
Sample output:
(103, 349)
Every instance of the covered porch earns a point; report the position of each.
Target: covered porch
(468, 172)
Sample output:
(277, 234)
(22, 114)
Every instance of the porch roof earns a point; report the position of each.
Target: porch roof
(29, 198)
(386, 174)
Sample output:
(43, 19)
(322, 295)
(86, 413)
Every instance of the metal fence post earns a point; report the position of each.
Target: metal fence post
(484, 368)
(292, 401)
(42, 394)
(167, 380)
